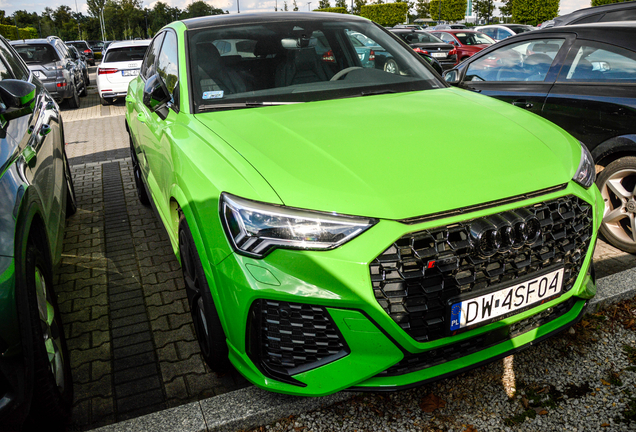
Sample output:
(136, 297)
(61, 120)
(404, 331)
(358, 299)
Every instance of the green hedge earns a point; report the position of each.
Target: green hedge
(342, 10)
(387, 15)
(9, 32)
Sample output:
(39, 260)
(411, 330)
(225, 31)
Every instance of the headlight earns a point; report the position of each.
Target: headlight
(585, 173)
(256, 228)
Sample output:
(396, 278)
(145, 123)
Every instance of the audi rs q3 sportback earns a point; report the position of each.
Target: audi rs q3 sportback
(325, 242)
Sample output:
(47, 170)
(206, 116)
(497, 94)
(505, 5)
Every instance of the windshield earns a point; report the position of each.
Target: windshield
(474, 38)
(301, 61)
(37, 54)
(125, 54)
(419, 37)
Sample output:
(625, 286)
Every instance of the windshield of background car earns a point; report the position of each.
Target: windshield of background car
(125, 54)
(520, 29)
(474, 38)
(37, 54)
(416, 37)
(301, 61)
(81, 46)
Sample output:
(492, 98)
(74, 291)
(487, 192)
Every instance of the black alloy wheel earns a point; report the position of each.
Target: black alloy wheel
(74, 101)
(52, 382)
(139, 183)
(207, 325)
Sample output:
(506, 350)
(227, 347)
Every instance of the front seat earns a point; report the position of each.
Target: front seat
(213, 75)
(585, 71)
(302, 66)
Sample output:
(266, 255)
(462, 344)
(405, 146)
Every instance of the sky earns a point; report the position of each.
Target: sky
(10, 6)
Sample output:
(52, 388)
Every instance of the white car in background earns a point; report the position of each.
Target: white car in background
(121, 63)
(500, 32)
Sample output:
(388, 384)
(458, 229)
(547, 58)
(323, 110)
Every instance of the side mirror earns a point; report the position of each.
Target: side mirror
(452, 77)
(17, 98)
(156, 93)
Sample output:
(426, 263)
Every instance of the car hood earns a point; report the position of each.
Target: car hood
(399, 155)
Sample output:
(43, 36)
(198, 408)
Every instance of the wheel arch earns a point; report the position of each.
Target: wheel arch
(614, 148)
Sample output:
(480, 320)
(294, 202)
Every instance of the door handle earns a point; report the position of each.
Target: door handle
(522, 103)
(141, 117)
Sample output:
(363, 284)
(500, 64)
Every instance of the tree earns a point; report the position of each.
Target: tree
(452, 10)
(534, 11)
(357, 5)
(201, 8)
(285, 6)
(422, 8)
(484, 9)
(295, 5)
(324, 4)
(341, 3)
(506, 9)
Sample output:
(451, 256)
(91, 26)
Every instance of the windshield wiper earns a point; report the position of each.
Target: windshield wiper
(376, 92)
(238, 105)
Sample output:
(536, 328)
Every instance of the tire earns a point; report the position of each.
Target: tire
(206, 321)
(74, 101)
(107, 101)
(617, 183)
(139, 183)
(391, 66)
(53, 385)
(84, 92)
(71, 201)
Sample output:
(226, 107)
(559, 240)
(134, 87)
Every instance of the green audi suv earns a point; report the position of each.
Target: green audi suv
(331, 233)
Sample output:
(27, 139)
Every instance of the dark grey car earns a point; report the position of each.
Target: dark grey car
(81, 61)
(51, 61)
(85, 49)
(625, 11)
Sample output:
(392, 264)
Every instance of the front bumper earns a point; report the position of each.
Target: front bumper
(377, 353)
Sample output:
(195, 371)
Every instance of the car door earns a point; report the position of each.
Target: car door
(138, 112)
(594, 97)
(520, 72)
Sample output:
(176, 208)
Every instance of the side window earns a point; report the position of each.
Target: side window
(596, 61)
(63, 50)
(167, 65)
(589, 19)
(447, 38)
(490, 32)
(521, 61)
(148, 66)
(623, 15)
(14, 62)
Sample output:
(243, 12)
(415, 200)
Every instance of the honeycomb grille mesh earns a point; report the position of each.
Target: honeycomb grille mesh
(295, 335)
(416, 297)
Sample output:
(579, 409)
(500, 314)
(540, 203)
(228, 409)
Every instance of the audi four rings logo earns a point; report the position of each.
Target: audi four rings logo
(502, 232)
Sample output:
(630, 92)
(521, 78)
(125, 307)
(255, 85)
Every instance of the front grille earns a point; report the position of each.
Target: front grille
(415, 362)
(415, 279)
(290, 338)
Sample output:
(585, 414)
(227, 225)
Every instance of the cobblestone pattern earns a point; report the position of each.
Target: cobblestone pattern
(137, 385)
(122, 295)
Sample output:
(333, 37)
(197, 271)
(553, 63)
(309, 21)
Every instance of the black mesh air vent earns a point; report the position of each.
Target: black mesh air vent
(415, 293)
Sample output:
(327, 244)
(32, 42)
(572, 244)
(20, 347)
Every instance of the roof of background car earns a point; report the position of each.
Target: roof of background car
(30, 41)
(457, 31)
(595, 9)
(225, 19)
(620, 33)
(129, 43)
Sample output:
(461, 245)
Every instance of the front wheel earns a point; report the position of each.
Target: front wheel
(391, 66)
(617, 183)
(74, 101)
(53, 384)
(204, 314)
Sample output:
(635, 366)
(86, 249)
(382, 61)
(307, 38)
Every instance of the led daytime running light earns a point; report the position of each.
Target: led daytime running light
(255, 228)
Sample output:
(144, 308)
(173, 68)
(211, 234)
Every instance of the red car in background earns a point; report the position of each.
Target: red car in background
(467, 42)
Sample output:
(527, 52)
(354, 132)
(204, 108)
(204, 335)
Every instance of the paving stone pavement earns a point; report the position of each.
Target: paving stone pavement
(121, 293)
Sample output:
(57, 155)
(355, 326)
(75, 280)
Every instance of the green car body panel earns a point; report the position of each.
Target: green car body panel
(328, 156)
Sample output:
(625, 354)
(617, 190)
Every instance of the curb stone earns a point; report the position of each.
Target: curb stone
(250, 407)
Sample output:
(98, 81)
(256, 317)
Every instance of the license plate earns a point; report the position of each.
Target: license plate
(38, 74)
(438, 55)
(505, 301)
(130, 72)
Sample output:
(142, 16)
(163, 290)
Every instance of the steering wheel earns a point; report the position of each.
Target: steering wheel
(344, 72)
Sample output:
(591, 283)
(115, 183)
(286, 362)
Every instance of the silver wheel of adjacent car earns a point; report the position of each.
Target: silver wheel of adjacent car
(617, 183)
(391, 66)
